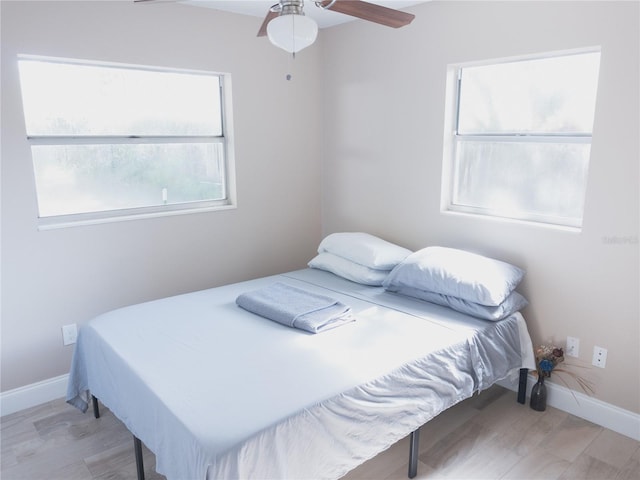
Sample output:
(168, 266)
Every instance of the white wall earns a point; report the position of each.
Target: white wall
(384, 100)
(52, 278)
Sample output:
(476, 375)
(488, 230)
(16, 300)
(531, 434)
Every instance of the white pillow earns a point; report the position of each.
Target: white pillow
(512, 304)
(348, 269)
(365, 249)
(457, 273)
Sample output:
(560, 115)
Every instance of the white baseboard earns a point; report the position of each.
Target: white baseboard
(604, 414)
(29, 396)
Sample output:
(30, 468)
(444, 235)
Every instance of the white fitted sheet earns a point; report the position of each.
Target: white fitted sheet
(218, 392)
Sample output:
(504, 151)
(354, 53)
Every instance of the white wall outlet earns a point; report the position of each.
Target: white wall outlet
(599, 356)
(573, 347)
(69, 334)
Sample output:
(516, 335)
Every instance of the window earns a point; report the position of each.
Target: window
(518, 137)
(110, 141)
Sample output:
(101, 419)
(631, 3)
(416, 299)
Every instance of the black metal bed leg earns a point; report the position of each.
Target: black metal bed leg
(522, 385)
(413, 453)
(96, 408)
(137, 445)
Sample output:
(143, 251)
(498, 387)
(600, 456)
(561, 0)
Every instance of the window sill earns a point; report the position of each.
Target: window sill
(507, 220)
(69, 221)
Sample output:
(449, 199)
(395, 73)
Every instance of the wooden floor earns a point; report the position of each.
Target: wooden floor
(489, 436)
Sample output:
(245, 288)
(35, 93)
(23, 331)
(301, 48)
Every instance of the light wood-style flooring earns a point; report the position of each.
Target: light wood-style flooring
(489, 436)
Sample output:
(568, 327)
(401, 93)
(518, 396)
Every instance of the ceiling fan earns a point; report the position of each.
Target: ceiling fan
(288, 28)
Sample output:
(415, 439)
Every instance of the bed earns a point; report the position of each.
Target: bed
(217, 392)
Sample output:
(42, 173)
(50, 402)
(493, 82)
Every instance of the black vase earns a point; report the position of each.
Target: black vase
(539, 395)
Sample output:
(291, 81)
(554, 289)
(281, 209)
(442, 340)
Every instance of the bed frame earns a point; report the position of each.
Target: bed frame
(414, 439)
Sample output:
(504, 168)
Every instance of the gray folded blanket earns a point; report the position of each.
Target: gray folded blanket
(295, 307)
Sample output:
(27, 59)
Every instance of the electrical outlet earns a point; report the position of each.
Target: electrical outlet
(599, 356)
(69, 334)
(573, 347)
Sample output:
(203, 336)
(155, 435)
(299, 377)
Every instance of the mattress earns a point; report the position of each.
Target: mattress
(218, 392)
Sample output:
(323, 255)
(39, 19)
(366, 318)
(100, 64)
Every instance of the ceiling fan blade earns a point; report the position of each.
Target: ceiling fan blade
(263, 28)
(369, 11)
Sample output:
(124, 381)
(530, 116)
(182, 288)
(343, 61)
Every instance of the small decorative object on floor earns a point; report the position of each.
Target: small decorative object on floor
(539, 396)
(547, 360)
(547, 357)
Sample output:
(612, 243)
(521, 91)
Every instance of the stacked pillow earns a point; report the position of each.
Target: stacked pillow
(359, 257)
(461, 280)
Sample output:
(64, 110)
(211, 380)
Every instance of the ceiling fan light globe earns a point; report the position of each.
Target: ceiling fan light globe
(292, 32)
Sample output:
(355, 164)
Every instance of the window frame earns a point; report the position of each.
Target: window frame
(453, 139)
(225, 139)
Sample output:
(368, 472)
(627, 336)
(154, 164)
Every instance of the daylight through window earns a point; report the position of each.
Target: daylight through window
(114, 140)
(518, 137)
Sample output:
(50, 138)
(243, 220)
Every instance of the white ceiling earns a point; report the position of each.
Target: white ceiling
(259, 8)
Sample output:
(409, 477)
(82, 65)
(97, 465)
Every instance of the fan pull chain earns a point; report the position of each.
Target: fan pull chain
(289, 76)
